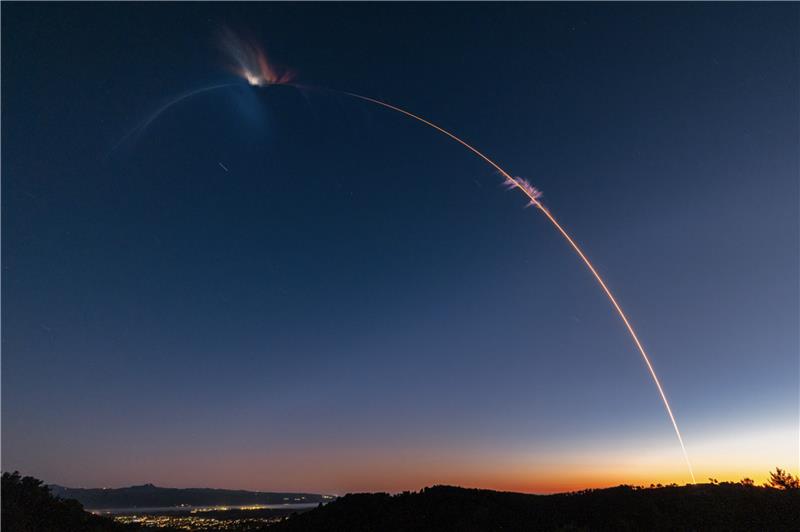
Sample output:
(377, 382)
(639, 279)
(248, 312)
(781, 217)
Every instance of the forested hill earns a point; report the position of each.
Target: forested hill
(28, 506)
(724, 506)
(149, 495)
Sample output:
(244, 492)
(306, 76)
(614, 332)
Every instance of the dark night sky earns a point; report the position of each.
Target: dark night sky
(357, 303)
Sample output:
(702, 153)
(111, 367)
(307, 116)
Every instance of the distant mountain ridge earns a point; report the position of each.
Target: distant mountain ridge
(148, 495)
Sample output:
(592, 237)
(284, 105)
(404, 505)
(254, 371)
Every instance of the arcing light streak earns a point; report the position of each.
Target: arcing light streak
(533, 196)
(252, 64)
(155, 114)
(248, 61)
(526, 188)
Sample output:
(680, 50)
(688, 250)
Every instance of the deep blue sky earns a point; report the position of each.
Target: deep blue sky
(358, 303)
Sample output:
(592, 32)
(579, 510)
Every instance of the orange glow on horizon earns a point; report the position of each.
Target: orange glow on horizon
(727, 453)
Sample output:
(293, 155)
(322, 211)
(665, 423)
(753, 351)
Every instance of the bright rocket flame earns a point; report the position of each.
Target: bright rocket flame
(533, 196)
(251, 63)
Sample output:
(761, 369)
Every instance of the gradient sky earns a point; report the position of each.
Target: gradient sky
(357, 303)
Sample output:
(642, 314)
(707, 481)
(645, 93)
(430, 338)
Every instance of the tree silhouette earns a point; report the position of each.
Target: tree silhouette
(782, 480)
(28, 506)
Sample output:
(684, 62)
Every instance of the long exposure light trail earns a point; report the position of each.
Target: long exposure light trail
(252, 65)
(533, 196)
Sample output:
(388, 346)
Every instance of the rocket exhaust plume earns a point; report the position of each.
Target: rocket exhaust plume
(248, 61)
(251, 63)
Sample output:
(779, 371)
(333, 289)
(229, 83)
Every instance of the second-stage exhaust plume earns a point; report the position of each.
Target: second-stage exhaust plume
(250, 61)
(247, 60)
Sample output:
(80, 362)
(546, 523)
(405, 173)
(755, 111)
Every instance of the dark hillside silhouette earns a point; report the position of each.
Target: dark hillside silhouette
(722, 506)
(28, 506)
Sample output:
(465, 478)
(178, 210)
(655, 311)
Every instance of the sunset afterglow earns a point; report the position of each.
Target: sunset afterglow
(304, 250)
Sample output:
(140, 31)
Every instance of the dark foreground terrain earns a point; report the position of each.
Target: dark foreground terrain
(442, 508)
(28, 506)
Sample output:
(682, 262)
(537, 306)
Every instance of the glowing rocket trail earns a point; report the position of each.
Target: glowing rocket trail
(533, 196)
(252, 65)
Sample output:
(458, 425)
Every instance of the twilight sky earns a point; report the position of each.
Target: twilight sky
(283, 290)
